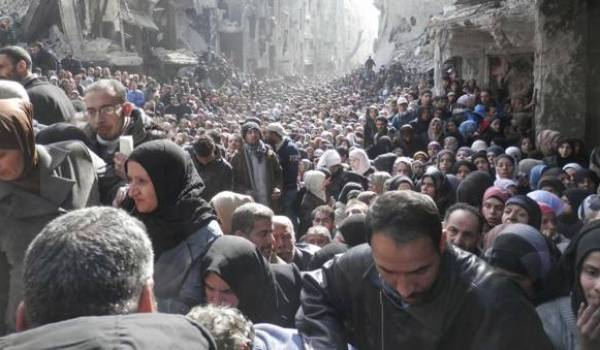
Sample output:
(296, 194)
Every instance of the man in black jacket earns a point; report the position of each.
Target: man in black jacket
(96, 262)
(408, 289)
(289, 158)
(50, 103)
(216, 173)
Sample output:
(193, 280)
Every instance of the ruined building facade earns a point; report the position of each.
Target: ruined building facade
(258, 36)
(544, 50)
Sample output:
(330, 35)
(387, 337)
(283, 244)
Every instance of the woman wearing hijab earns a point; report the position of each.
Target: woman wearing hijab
(436, 186)
(359, 162)
(492, 207)
(166, 192)
(37, 184)
(225, 203)
(569, 223)
(234, 273)
(569, 321)
(444, 161)
(472, 188)
(527, 257)
(462, 168)
(314, 196)
(521, 209)
(504, 166)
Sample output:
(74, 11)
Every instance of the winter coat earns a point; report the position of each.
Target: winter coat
(50, 103)
(67, 181)
(131, 332)
(241, 178)
(289, 158)
(308, 203)
(217, 176)
(560, 323)
(470, 307)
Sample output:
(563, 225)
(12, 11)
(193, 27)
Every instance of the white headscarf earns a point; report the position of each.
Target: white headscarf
(363, 159)
(329, 158)
(313, 181)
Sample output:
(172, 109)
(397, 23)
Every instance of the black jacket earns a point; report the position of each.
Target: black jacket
(217, 175)
(127, 332)
(50, 103)
(471, 307)
(289, 158)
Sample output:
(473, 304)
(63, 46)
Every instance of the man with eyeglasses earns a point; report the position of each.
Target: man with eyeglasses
(110, 116)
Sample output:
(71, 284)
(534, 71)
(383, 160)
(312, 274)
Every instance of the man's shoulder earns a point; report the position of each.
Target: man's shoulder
(135, 331)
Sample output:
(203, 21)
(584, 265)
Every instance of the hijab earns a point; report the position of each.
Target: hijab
(548, 198)
(545, 141)
(584, 243)
(225, 203)
(16, 131)
(313, 181)
(239, 263)
(530, 206)
(181, 210)
(354, 229)
(363, 159)
(472, 188)
(524, 250)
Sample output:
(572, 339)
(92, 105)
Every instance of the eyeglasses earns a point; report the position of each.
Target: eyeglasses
(104, 110)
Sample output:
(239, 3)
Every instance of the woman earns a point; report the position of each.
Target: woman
(435, 131)
(37, 184)
(166, 192)
(234, 273)
(225, 203)
(402, 166)
(505, 167)
(524, 255)
(444, 161)
(569, 223)
(359, 162)
(462, 168)
(436, 186)
(314, 196)
(521, 209)
(567, 320)
(493, 207)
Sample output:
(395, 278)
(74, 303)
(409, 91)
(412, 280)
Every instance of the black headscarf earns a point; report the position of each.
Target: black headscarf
(181, 210)
(471, 189)
(445, 194)
(239, 263)
(354, 229)
(584, 243)
(530, 206)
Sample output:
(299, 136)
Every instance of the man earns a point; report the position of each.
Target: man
(135, 95)
(44, 58)
(110, 116)
(71, 64)
(408, 289)
(403, 116)
(254, 222)
(216, 173)
(256, 169)
(425, 98)
(50, 103)
(462, 227)
(289, 158)
(285, 244)
(332, 161)
(96, 261)
(323, 215)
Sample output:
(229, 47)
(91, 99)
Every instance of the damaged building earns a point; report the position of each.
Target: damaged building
(544, 50)
(263, 37)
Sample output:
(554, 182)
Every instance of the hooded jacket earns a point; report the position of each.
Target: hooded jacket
(470, 307)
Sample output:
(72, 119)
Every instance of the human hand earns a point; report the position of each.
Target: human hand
(588, 324)
(120, 196)
(119, 160)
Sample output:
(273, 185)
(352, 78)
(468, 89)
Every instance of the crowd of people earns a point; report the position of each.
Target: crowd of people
(361, 213)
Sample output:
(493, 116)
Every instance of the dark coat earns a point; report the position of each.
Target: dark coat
(217, 176)
(308, 203)
(135, 331)
(67, 181)
(471, 307)
(241, 178)
(289, 158)
(50, 103)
